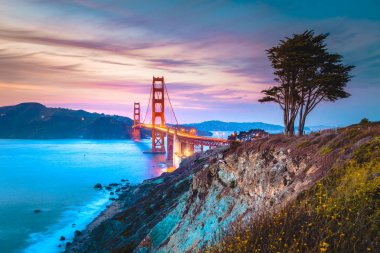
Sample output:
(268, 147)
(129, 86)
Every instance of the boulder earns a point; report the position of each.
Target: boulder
(98, 186)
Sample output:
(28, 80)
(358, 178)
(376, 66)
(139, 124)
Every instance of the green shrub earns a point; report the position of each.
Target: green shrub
(364, 121)
(369, 151)
(326, 150)
(304, 144)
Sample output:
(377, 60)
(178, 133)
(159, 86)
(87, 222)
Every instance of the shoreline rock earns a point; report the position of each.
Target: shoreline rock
(98, 186)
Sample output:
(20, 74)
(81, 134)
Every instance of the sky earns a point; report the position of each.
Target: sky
(100, 56)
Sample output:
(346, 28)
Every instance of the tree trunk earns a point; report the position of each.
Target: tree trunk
(300, 129)
(302, 123)
(291, 127)
(285, 122)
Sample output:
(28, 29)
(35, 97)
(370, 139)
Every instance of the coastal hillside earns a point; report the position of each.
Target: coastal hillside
(35, 121)
(216, 125)
(238, 199)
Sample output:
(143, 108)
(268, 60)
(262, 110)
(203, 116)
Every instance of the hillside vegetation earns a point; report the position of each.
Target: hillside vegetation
(35, 121)
(340, 213)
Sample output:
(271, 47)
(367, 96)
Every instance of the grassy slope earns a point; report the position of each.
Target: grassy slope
(339, 214)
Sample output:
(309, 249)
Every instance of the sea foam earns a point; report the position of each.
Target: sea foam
(49, 240)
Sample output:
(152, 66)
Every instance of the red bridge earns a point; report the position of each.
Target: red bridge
(181, 142)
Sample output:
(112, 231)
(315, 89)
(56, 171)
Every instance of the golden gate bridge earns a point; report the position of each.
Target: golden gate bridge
(180, 142)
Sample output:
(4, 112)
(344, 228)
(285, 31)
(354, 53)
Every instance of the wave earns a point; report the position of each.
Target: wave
(49, 240)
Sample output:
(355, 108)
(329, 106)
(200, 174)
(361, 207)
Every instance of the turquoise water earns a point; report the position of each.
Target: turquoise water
(57, 177)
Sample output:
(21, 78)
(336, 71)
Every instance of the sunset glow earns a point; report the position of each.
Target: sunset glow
(101, 56)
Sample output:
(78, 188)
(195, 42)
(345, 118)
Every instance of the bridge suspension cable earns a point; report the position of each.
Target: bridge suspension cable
(147, 109)
(170, 102)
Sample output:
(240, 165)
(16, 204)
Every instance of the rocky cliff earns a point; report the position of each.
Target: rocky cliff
(189, 208)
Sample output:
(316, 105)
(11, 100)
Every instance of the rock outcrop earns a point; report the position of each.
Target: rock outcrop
(188, 208)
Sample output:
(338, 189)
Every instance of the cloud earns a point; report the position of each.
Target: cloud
(26, 69)
(89, 53)
(36, 38)
(172, 63)
(115, 63)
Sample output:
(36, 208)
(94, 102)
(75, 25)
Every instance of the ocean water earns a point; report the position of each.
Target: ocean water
(57, 177)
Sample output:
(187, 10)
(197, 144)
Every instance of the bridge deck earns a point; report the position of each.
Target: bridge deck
(185, 136)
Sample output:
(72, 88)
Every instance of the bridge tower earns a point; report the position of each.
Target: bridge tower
(158, 114)
(136, 133)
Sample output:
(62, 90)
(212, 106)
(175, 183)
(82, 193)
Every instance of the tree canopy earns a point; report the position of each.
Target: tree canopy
(306, 74)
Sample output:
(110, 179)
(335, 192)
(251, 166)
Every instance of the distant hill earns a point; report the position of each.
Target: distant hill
(319, 127)
(34, 120)
(215, 125)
